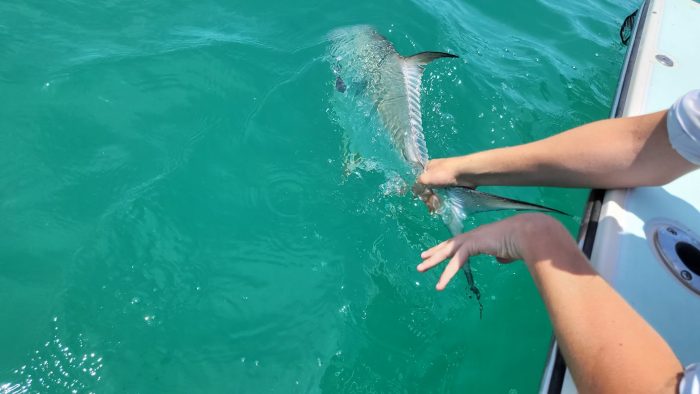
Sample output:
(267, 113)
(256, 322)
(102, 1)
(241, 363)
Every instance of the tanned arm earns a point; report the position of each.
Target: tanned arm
(607, 345)
(612, 153)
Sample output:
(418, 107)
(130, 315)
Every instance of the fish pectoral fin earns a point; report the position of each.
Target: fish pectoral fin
(340, 84)
(423, 58)
(358, 87)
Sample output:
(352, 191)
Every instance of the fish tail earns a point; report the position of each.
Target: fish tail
(452, 211)
(472, 201)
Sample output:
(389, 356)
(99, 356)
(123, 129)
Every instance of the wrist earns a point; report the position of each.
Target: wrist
(542, 238)
(467, 171)
(490, 167)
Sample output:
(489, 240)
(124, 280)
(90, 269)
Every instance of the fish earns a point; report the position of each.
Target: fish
(367, 60)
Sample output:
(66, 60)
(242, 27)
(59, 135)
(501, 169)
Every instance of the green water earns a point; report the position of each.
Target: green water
(180, 213)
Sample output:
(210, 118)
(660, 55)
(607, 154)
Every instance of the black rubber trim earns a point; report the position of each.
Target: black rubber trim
(591, 216)
(556, 381)
(589, 223)
(623, 87)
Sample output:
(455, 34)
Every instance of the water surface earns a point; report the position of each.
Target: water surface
(180, 213)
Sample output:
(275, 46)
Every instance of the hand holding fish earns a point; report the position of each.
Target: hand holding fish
(444, 173)
(612, 153)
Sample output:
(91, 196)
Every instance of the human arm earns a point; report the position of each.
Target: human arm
(608, 347)
(612, 153)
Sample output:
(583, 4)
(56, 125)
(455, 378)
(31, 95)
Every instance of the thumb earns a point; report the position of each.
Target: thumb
(423, 179)
(419, 188)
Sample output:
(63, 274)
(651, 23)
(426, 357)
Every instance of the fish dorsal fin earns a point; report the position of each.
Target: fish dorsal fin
(423, 58)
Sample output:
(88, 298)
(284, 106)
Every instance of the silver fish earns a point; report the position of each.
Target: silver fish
(393, 82)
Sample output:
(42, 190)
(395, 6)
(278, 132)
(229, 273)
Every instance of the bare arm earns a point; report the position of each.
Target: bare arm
(612, 153)
(608, 347)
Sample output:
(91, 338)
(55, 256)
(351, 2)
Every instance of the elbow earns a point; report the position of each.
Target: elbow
(657, 180)
(661, 175)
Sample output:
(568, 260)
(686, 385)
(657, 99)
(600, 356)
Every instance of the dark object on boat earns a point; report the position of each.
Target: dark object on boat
(627, 26)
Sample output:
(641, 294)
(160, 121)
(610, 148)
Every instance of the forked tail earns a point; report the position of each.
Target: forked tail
(458, 202)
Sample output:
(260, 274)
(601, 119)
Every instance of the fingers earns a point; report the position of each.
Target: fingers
(458, 249)
(427, 253)
(500, 239)
(451, 269)
(445, 251)
(438, 173)
(428, 196)
(427, 177)
(419, 188)
(422, 181)
(433, 203)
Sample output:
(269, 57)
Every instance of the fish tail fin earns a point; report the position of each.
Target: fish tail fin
(471, 201)
(452, 211)
(423, 58)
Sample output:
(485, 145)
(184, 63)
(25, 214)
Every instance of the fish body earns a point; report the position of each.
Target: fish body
(393, 82)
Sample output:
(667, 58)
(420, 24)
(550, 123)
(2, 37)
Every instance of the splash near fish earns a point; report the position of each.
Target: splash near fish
(385, 88)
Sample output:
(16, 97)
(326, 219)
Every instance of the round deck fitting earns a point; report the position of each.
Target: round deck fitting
(680, 250)
(665, 60)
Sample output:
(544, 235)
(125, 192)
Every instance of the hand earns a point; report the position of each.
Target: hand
(508, 240)
(428, 196)
(443, 173)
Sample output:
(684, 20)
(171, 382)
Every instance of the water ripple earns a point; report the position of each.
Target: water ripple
(58, 366)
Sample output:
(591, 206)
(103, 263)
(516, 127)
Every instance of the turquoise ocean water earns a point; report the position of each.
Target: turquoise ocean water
(180, 213)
